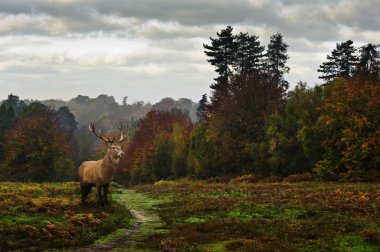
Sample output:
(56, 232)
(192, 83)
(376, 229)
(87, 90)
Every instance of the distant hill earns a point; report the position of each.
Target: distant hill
(105, 111)
(186, 105)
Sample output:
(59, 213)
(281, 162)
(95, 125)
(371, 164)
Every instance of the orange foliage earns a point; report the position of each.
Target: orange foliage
(155, 124)
(351, 119)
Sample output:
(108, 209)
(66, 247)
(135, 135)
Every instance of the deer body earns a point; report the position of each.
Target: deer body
(100, 173)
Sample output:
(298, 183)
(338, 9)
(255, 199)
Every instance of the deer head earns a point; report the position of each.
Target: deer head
(114, 146)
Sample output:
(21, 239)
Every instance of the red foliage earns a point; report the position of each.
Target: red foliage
(153, 125)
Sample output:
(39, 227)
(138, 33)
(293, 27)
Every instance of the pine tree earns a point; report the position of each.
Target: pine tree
(7, 121)
(341, 63)
(221, 53)
(14, 102)
(369, 58)
(249, 53)
(7, 118)
(125, 101)
(277, 57)
(202, 109)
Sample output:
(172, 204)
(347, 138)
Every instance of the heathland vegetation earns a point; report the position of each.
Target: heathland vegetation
(36, 217)
(263, 216)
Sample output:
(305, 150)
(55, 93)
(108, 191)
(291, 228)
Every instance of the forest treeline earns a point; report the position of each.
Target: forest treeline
(251, 123)
(48, 140)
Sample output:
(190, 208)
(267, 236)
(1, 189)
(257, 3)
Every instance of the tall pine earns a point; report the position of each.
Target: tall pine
(202, 109)
(370, 59)
(221, 53)
(277, 57)
(341, 63)
(249, 53)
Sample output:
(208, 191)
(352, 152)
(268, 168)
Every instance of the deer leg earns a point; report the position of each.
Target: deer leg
(105, 187)
(85, 189)
(99, 187)
(82, 189)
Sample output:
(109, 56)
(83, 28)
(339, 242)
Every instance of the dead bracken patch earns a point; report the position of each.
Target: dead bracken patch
(41, 216)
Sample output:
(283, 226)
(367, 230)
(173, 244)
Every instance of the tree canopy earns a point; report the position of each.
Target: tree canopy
(341, 63)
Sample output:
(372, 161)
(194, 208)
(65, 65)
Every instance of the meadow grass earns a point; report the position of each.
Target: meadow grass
(36, 217)
(304, 216)
(187, 215)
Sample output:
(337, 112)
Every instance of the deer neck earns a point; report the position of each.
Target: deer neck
(110, 164)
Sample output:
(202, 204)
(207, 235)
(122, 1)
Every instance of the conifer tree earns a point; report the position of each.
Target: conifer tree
(277, 57)
(221, 53)
(249, 53)
(14, 102)
(369, 58)
(202, 109)
(341, 63)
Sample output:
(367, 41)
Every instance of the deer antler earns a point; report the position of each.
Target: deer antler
(123, 137)
(91, 127)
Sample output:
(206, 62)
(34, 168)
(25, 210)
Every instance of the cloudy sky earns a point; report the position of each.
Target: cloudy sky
(151, 49)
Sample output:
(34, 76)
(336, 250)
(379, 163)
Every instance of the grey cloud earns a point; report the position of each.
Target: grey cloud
(172, 32)
(178, 81)
(79, 16)
(313, 20)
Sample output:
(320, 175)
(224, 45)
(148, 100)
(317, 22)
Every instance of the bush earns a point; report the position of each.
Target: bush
(300, 177)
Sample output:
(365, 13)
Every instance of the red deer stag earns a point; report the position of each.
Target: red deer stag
(100, 173)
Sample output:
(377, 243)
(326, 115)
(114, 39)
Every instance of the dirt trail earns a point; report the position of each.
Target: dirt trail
(147, 223)
(123, 241)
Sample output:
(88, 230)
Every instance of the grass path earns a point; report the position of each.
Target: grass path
(147, 223)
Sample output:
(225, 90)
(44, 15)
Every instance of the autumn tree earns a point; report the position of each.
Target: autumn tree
(37, 149)
(238, 121)
(157, 149)
(203, 156)
(180, 139)
(292, 147)
(350, 120)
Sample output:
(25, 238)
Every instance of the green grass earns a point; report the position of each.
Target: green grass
(305, 216)
(111, 237)
(148, 207)
(40, 216)
(190, 215)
